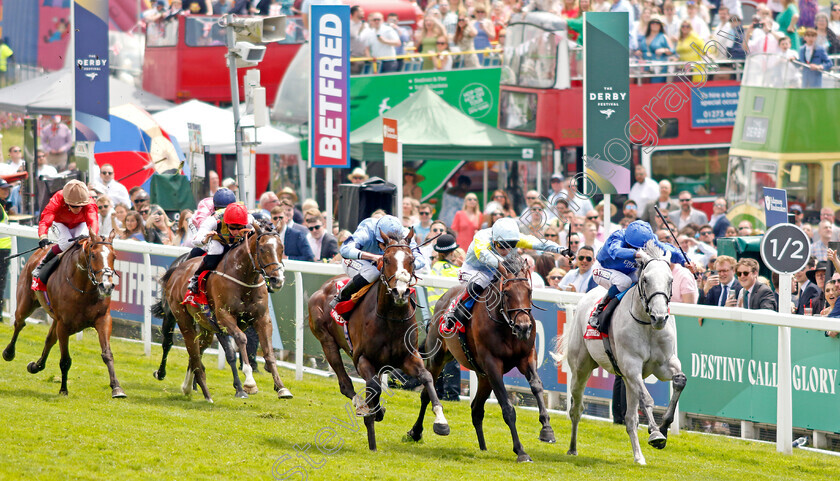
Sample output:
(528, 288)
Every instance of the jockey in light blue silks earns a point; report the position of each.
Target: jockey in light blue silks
(489, 248)
(361, 252)
(617, 259)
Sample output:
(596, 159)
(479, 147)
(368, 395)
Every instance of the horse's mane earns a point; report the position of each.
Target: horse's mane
(266, 225)
(650, 251)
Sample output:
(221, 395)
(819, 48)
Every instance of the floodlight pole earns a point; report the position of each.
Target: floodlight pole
(230, 43)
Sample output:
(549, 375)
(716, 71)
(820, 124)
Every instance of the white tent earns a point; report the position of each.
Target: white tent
(217, 130)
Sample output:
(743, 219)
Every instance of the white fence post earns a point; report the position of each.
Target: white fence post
(784, 399)
(14, 273)
(298, 326)
(147, 296)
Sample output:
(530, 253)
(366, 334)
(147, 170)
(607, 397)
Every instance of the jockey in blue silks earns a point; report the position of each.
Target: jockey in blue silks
(618, 266)
(489, 248)
(361, 252)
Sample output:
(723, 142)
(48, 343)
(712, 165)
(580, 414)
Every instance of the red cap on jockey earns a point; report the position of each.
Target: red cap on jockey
(236, 214)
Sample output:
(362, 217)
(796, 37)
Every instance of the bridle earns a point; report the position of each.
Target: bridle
(504, 309)
(87, 249)
(647, 300)
(385, 281)
(257, 265)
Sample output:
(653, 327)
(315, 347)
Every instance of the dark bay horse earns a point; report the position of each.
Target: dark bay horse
(78, 296)
(500, 336)
(237, 292)
(383, 333)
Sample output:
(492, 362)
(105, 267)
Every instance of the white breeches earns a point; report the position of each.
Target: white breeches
(607, 278)
(358, 266)
(65, 234)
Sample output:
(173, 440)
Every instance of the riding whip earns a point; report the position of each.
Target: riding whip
(21, 253)
(676, 242)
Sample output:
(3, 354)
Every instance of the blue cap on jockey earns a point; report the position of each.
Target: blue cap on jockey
(638, 233)
(390, 226)
(223, 197)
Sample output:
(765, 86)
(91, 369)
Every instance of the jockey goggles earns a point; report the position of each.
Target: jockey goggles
(236, 227)
(505, 244)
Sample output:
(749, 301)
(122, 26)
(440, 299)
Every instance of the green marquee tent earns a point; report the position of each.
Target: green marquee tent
(431, 129)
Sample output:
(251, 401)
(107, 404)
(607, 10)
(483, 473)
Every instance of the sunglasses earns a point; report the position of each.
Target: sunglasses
(743, 273)
(104, 207)
(555, 278)
(313, 228)
(425, 213)
(235, 227)
(551, 235)
(506, 244)
(574, 242)
(145, 211)
(708, 232)
(585, 258)
(744, 228)
(592, 217)
(685, 200)
(496, 214)
(277, 217)
(103, 172)
(438, 231)
(442, 43)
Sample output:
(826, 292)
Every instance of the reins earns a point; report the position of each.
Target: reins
(261, 270)
(645, 299)
(88, 257)
(504, 309)
(389, 290)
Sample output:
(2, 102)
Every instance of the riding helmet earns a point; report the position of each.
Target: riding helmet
(390, 226)
(236, 214)
(638, 233)
(223, 197)
(505, 230)
(76, 193)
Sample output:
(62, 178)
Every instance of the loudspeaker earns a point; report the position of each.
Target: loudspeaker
(261, 30)
(356, 202)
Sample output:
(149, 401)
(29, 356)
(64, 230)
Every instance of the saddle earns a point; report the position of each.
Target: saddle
(49, 268)
(345, 308)
(605, 319)
(459, 328)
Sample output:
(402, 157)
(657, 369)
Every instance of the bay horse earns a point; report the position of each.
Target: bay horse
(644, 343)
(78, 295)
(500, 336)
(237, 292)
(382, 332)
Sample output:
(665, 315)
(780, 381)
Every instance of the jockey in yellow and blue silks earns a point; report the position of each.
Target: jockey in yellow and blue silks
(361, 252)
(489, 248)
(618, 266)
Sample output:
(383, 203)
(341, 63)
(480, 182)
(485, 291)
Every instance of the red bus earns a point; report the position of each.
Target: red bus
(541, 96)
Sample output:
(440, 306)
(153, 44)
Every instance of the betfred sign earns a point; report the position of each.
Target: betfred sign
(329, 113)
(389, 136)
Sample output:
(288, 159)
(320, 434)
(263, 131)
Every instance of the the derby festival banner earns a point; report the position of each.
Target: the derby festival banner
(606, 112)
(90, 18)
(329, 110)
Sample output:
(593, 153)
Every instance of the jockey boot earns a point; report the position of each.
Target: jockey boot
(595, 319)
(462, 311)
(208, 263)
(36, 273)
(355, 285)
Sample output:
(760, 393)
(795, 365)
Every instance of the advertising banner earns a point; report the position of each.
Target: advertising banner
(474, 92)
(92, 71)
(606, 112)
(775, 206)
(329, 113)
(714, 107)
(390, 140)
(731, 370)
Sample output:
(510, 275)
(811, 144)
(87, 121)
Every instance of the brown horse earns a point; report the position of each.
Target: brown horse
(383, 333)
(499, 337)
(78, 296)
(237, 292)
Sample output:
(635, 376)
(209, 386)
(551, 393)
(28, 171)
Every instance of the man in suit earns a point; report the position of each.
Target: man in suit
(295, 244)
(816, 58)
(813, 297)
(716, 290)
(755, 295)
(664, 202)
(324, 245)
(719, 222)
(687, 214)
(808, 290)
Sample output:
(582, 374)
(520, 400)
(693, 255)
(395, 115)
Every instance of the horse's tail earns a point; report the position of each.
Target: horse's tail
(559, 347)
(160, 309)
(177, 262)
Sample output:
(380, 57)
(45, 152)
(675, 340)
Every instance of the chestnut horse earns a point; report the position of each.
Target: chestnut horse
(237, 292)
(383, 332)
(78, 296)
(499, 337)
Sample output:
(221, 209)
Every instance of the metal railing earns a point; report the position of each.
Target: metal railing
(568, 300)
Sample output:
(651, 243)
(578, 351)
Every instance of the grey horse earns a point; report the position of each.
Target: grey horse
(643, 343)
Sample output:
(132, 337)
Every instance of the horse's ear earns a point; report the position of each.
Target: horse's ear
(644, 256)
(385, 239)
(410, 235)
(502, 270)
(112, 235)
(258, 227)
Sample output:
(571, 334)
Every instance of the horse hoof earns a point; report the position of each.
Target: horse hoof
(159, 375)
(241, 394)
(362, 408)
(118, 393)
(641, 462)
(210, 400)
(62, 393)
(33, 367)
(284, 393)
(412, 436)
(380, 414)
(524, 458)
(8, 354)
(547, 435)
(657, 440)
(441, 429)
(251, 389)
(571, 452)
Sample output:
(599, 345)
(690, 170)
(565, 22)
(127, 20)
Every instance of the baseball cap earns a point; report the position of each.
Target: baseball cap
(558, 177)
(796, 208)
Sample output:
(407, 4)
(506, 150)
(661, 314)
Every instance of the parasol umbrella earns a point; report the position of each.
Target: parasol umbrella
(139, 147)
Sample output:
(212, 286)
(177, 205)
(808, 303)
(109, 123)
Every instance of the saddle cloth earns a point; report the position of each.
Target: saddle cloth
(458, 326)
(344, 308)
(46, 271)
(591, 332)
(196, 299)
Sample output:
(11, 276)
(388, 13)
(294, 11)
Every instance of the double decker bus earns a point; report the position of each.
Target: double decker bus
(541, 96)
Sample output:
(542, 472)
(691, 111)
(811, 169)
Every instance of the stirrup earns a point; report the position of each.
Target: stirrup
(334, 302)
(193, 284)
